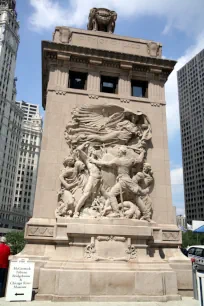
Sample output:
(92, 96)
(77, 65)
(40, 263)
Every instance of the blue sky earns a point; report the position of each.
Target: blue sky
(177, 24)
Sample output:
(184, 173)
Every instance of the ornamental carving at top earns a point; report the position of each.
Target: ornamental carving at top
(153, 49)
(101, 19)
(106, 173)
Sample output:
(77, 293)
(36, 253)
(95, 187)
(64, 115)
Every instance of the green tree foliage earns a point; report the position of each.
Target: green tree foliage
(190, 238)
(16, 241)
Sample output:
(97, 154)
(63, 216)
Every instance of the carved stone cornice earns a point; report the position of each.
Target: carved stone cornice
(81, 60)
(95, 62)
(152, 67)
(42, 230)
(63, 57)
(125, 66)
(48, 46)
(140, 68)
(111, 64)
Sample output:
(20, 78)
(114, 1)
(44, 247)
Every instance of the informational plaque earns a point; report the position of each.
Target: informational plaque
(20, 280)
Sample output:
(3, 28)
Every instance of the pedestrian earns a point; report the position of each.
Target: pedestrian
(4, 262)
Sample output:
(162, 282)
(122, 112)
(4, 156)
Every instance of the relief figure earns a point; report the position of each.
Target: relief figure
(107, 174)
(72, 178)
(94, 183)
(124, 181)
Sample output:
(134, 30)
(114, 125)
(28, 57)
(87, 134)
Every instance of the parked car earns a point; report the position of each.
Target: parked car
(196, 252)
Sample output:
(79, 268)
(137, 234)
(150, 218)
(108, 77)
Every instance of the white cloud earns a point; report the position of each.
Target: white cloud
(172, 90)
(185, 17)
(47, 14)
(177, 176)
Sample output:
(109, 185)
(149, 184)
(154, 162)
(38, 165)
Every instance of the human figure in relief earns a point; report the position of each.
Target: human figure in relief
(94, 185)
(124, 181)
(147, 182)
(71, 178)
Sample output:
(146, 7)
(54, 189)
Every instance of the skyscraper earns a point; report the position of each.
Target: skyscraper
(191, 104)
(27, 168)
(9, 41)
(28, 109)
(10, 115)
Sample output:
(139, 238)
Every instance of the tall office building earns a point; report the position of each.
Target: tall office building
(10, 115)
(191, 104)
(27, 168)
(28, 109)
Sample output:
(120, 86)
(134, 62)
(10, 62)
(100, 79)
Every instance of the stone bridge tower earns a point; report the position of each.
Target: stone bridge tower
(103, 226)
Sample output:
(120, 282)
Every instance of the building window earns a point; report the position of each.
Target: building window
(77, 80)
(109, 84)
(139, 88)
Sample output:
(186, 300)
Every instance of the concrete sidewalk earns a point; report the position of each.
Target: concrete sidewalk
(187, 301)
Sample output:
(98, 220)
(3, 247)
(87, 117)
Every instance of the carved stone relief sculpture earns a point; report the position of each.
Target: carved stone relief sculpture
(101, 19)
(65, 35)
(123, 249)
(153, 49)
(106, 174)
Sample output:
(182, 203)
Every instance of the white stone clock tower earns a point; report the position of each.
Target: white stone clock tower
(10, 115)
(9, 41)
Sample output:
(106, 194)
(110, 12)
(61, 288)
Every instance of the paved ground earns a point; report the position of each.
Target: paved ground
(184, 302)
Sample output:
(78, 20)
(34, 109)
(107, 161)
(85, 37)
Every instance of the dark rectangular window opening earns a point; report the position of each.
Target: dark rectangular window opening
(77, 80)
(109, 84)
(139, 88)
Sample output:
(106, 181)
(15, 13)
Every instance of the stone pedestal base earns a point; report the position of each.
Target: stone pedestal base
(104, 260)
(107, 282)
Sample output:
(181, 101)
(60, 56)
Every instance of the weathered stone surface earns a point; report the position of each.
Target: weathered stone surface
(108, 146)
(108, 42)
(103, 226)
